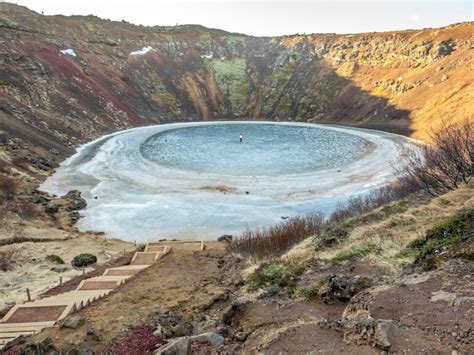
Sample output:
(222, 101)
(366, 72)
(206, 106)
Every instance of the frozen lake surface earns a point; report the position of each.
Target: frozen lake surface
(198, 181)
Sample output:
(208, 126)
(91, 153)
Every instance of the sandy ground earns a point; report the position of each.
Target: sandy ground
(32, 271)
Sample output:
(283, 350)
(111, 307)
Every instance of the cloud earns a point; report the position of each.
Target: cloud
(415, 18)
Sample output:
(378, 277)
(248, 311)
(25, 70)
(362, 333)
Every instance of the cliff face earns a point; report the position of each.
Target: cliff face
(64, 80)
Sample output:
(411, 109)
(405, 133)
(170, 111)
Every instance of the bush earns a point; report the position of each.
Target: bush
(55, 259)
(275, 275)
(7, 259)
(8, 187)
(315, 290)
(444, 165)
(83, 260)
(444, 236)
(331, 235)
(277, 239)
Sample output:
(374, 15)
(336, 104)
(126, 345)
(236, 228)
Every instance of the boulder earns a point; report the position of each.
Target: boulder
(72, 322)
(213, 338)
(343, 288)
(75, 200)
(178, 346)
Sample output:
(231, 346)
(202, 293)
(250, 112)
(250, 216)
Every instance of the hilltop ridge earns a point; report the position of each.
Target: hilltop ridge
(66, 80)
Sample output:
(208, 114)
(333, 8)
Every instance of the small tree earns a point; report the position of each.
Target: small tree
(445, 164)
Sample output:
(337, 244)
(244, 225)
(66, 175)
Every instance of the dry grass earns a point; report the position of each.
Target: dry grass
(275, 240)
(391, 235)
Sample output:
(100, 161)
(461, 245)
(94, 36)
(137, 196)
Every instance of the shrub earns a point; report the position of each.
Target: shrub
(83, 260)
(55, 259)
(314, 291)
(7, 259)
(331, 235)
(358, 252)
(8, 187)
(444, 236)
(275, 275)
(277, 239)
(444, 165)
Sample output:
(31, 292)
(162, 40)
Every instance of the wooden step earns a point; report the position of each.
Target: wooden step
(16, 334)
(144, 258)
(26, 325)
(39, 313)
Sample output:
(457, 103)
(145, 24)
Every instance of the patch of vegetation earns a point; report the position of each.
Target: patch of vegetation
(55, 259)
(273, 241)
(83, 260)
(330, 236)
(314, 291)
(275, 276)
(443, 237)
(232, 81)
(360, 251)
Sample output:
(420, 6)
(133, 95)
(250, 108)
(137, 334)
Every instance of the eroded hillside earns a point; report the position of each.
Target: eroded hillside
(64, 80)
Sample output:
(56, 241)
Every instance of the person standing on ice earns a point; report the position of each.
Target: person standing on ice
(241, 137)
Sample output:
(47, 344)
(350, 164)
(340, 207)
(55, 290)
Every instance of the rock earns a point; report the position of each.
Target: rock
(227, 238)
(241, 336)
(72, 322)
(178, 346)
(222, 329)
(46, 347)
(158, 332)
(363, 330)
(213, 338)
(182, 329)
(75, 201)
(75, 351)
(230, 312)
(366, 330)
(342, 288)
(94, 334)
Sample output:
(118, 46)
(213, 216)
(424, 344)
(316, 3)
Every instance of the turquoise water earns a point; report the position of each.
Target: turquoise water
(266, 149)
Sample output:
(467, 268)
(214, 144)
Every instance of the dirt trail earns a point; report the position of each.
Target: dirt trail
(186, 281)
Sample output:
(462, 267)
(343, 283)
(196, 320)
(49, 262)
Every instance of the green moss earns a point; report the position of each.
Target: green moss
(55, 259)
(280, 78)
(231, 78)
(443, 237)
(330, 236)
(358, 252)
(275, 275)
(314, 291)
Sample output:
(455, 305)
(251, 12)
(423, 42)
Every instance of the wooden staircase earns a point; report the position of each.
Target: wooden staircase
(32, 317)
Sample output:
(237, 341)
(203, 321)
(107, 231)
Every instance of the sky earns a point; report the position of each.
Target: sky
(270, 17)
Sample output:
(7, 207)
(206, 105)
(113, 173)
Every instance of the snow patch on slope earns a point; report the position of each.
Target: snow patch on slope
(143, 51)
(69, 51)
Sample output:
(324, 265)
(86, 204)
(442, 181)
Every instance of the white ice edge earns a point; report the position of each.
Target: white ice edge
(147, 206)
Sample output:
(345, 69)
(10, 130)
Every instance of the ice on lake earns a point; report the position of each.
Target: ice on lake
(198, 181)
